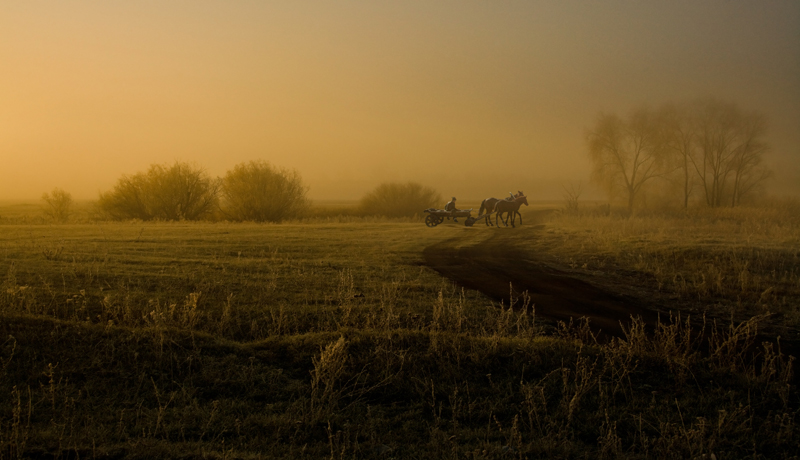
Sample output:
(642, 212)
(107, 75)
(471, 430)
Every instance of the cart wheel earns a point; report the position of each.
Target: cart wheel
(432, 221)
(470, 221)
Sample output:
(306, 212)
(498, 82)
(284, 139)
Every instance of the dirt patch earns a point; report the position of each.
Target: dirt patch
(499, 270)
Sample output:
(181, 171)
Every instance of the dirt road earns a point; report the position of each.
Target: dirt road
(494, 263)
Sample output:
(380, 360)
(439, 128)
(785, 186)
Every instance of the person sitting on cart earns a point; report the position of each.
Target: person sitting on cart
(451, 207)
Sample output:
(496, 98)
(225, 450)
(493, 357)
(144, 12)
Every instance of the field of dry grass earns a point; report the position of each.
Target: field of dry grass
(331, 339)
(731, 262)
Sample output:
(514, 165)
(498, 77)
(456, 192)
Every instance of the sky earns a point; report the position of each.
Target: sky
(473, 98)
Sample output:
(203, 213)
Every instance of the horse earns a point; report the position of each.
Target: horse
(488, 206)
(511, 208)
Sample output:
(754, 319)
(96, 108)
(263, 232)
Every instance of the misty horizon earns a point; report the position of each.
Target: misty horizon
(471, 99)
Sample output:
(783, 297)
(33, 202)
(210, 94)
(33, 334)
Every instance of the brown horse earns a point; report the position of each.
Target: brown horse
(487, 207)
(511, 208)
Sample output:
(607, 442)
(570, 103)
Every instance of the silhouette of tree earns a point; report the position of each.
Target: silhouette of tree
(58, 204)
(730, 149)
(177, 192)
(710, 143)
(257, 191)
(627, 153)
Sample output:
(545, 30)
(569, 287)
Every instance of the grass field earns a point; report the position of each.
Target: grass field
(329, 338)
(731, 262)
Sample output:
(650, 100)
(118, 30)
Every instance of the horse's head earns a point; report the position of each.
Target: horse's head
(521, 198)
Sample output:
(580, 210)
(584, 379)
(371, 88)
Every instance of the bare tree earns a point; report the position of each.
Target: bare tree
(571, 195)
(680, 135)
(57, 204)
(627, 153)
(730, 149)
(716, 141)
(747, 166)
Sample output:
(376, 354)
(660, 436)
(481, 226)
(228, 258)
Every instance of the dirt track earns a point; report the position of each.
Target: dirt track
(493, 263)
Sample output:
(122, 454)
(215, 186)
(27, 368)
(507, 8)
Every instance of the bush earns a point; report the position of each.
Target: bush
(399, 200)
(58, 204)
(257, 191)
(177, 192)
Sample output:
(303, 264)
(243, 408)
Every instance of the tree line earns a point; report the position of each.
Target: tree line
(706, 150)
(256, 191)
(709, 149)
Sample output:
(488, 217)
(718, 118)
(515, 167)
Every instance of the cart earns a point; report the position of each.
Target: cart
(437, 216)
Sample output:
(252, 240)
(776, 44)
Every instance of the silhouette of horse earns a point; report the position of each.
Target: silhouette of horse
(511, 208)
(487, 205)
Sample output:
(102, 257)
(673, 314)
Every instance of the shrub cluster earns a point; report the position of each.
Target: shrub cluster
(177, 192)
(254, 191)
(57, 204)
(392, 199)
(257, 191)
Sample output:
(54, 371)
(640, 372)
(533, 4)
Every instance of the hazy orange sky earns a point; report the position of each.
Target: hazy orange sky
(475, 98)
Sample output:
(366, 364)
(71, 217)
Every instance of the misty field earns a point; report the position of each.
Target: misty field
(334, 338)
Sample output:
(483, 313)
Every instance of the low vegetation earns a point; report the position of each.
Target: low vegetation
(180, 191)
(252, 341)
(392, 199)
(256, 191)
(738, 262)
(260, 192)
(57, 205)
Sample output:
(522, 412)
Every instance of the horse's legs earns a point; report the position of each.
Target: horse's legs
(500, 215)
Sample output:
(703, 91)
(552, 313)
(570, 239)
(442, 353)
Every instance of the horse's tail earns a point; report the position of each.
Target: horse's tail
(483, 206)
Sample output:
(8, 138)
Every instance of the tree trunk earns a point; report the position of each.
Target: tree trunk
(631, 196)
(685, 184)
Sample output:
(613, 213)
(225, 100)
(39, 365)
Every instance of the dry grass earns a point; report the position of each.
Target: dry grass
(331, 341)
(744, 261)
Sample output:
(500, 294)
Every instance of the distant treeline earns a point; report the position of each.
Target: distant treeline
(256, 191)
(707, 150)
